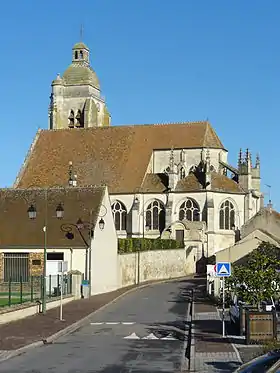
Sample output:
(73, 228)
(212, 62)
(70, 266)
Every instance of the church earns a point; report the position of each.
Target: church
(164, 180)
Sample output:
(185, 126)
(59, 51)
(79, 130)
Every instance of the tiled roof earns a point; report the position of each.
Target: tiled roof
(219, 183)
(77, 203)
(117, 156)
(154, 183)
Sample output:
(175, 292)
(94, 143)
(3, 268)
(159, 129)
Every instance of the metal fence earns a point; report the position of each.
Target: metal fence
(22, 291)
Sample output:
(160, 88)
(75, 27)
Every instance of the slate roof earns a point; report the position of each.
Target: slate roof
(117, 156)
(77, 203)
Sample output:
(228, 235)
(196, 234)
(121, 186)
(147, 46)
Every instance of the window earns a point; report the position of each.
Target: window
(182, 156)
(79, 118)
(71, 119)
(189, 210)
(119, 214)
(76, 55)
(81, 55)
(155, 216)
(180, 236)
(55, 256)
(227, 215)
(182, 173)
(16, 267)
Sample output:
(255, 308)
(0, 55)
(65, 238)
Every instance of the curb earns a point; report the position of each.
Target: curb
(232, 344)
(185, 344)
(78, 324)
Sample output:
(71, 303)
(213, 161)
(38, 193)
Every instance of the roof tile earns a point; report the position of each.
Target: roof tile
(219, 183)
(77, 203)
(117, 156)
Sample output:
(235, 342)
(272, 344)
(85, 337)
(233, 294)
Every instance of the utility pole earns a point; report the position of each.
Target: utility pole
(44, 300)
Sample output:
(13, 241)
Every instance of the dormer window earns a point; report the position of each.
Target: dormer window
(166, 170)
(182, 173)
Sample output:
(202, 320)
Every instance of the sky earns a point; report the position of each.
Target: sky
(157, 61)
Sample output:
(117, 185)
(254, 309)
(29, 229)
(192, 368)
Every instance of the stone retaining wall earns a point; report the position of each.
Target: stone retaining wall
(154, 265)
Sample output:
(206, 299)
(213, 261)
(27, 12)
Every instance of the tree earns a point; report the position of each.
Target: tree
(258, 278)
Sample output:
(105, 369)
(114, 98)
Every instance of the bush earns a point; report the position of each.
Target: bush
(132, 245)
(270, 346)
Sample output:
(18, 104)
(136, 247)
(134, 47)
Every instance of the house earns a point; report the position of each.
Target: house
(74, 225)
(262, 227)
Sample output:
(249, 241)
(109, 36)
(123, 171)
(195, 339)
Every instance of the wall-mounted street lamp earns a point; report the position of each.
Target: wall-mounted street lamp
(32, 214)
(59, 211)
(101, 224)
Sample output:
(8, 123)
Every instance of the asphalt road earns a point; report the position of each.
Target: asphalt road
(126, 337)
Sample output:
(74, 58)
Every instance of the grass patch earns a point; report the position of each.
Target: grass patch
(13, 294)
(4, 302)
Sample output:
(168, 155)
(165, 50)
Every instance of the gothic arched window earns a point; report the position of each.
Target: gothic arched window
(189, 210)
(71, 119)
(155, 216)
(120, 215)
(182, 173)
(227, 215)
(182, 155)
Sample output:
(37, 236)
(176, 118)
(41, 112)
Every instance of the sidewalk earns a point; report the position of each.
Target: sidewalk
(212, 353)
(17, 334)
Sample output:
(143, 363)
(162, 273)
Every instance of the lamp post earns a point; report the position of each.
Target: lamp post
(32, 214)
(81, 225)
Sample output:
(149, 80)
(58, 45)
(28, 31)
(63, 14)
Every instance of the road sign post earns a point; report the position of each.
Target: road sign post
(223, 269)
(62, 268)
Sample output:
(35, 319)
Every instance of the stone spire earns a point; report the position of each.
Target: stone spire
(171, 161)
(240, 157)
(258, 163)
(208, 170)
(172, 173)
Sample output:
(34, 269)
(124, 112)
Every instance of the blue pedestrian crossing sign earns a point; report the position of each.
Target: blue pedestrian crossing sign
(223, 269)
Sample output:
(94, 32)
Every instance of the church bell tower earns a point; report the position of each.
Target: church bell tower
(76, 100)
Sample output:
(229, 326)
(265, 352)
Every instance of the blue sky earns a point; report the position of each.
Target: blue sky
(157, 61)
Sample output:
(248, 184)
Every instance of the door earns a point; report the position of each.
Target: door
(180, 236)
(52, 280)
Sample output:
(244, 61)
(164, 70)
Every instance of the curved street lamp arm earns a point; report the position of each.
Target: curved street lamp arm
(104, 212)
(68, 229)
(86, 225)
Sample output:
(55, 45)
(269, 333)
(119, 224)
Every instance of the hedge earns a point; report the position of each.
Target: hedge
(132, 245)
